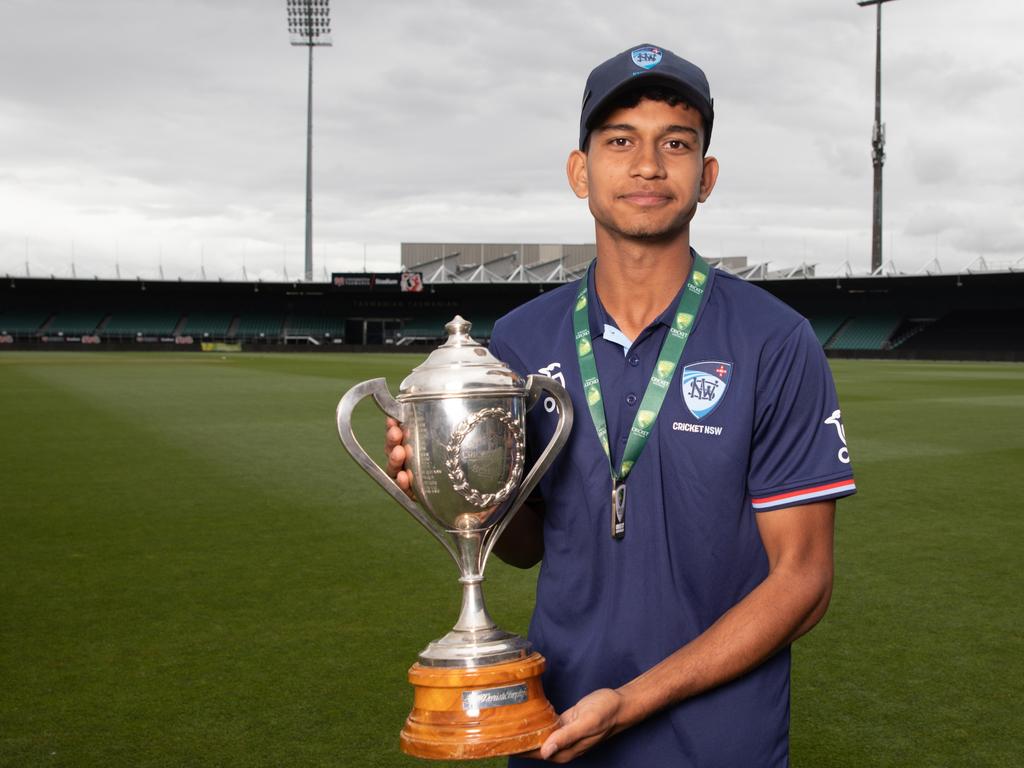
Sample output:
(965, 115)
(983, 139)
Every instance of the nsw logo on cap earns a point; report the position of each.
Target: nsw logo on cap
(646, 57)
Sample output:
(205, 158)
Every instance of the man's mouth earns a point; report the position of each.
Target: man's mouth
(646, 198)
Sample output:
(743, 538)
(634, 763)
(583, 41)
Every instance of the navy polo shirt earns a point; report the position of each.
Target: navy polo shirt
(750, 423)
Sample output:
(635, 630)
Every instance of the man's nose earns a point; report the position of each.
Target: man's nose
(647, 162)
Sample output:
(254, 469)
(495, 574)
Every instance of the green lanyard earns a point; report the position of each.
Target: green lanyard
(668, 358)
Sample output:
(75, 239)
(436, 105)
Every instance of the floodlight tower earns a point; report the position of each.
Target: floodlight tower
(309, 24)
(877, 140)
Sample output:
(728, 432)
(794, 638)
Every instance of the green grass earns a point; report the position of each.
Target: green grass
(194, 573)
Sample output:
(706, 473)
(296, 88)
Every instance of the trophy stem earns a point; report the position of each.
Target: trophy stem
(475, 640)
(473, 616)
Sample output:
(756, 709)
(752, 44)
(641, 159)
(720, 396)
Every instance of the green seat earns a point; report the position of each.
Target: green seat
(483, 327)
(425, 327)
(207, 323)
(259, 325)
(315, 325)
(22, 322)
(866, 332)
(75, 323)
(145, 323)
(825, 326)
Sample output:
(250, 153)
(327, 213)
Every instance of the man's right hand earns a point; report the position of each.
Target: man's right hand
(395, 450)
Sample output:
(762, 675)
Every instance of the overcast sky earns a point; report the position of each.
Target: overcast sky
(171, 133)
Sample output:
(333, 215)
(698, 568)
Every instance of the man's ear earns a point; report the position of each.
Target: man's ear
(576, 171)
(708, 178)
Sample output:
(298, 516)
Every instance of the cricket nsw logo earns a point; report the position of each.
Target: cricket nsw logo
(836, 421)
(646, 57)
(704, 386)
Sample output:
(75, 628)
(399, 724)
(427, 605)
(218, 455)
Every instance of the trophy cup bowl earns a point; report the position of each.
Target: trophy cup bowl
(477, 690)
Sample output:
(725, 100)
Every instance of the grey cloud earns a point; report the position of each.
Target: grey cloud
(991, 237)
(846, 158)
(934, 163)
(932, 220)
(187, 118)
(949, 80)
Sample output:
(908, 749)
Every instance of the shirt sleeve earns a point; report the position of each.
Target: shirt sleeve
(497, 347)
(798, 452)
(536, 435)
(501, 350)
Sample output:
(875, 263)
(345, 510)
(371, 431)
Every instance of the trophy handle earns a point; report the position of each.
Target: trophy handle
(535, 384)
(391, 407)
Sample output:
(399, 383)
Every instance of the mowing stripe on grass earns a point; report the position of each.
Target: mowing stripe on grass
(193, 572)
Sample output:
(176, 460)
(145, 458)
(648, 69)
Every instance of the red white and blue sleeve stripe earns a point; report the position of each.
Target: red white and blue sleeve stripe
(806, 495)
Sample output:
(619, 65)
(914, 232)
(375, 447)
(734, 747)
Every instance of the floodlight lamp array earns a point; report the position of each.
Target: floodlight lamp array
(309, 22)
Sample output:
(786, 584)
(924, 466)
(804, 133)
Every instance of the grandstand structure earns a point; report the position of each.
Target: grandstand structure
(928, 316)
(440, 263)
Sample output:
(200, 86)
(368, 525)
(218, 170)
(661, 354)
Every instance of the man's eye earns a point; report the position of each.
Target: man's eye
(677, 144)
(619, 142)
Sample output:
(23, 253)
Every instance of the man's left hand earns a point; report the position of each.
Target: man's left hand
(591, 721)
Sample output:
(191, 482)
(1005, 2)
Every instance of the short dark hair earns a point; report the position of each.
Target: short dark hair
(652, 92)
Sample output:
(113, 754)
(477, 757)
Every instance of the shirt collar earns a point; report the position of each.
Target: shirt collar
(599, 317)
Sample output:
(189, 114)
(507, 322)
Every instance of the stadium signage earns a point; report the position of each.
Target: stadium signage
(86, 339)
(406, 282)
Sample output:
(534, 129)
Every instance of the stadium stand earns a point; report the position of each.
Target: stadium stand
(314, 325)
(22, 322)
(865, 332)
(431, 327)
(141, 323)
(207, 324)
(908, 329)
(483, 327)
(983, 332)
(965, 316)
(825, 326)
(74, 323)
(260, 325)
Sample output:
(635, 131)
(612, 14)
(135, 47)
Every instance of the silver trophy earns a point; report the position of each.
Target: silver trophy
(463, 412)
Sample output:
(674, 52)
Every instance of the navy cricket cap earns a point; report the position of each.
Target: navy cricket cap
(641, 66)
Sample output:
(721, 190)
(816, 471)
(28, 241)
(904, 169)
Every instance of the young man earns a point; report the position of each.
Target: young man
(685, 531)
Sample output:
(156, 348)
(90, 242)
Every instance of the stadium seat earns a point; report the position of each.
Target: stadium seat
(22, 322)
(207, 324)
(483, 327)
(315, 325)
(425, 327)
(866, 332)
(825, 326)
(142, 323)
(259, 325)
(75, 323)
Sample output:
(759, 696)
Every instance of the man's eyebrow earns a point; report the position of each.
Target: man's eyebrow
(616, 127)
(626, 127)
(681, 129)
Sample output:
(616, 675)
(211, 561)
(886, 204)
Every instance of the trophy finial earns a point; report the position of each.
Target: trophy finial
(458, 326)
(461, 365)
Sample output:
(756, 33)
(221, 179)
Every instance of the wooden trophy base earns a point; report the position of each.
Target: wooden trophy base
(461, 714)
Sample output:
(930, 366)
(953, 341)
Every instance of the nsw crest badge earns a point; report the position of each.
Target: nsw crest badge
(704, 386)
(647, 57)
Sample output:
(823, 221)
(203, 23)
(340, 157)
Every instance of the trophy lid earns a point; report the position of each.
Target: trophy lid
(460, 366)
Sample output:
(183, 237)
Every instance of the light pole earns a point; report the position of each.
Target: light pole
(309, 24)
(877, 140)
